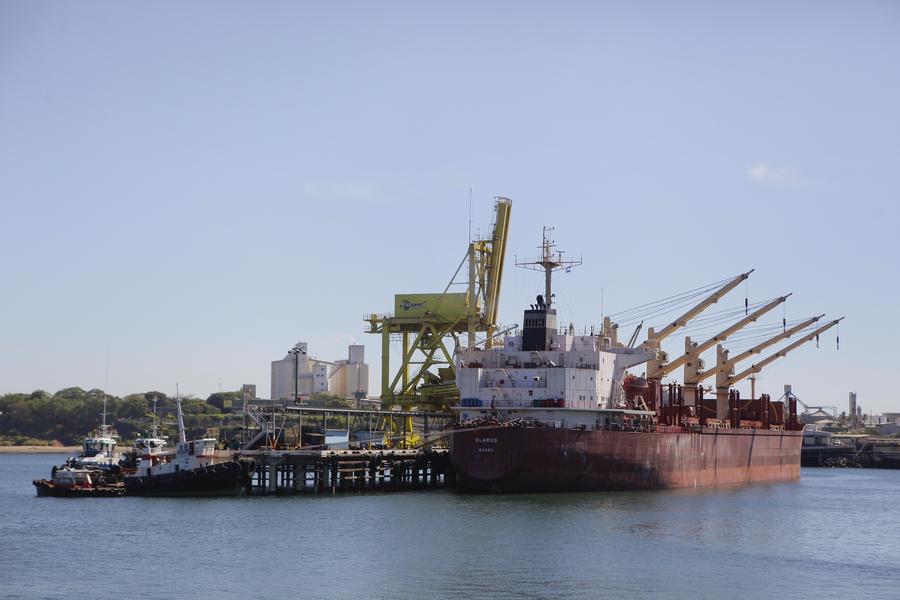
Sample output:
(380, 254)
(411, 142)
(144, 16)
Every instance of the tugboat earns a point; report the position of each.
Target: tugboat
(99, 450)
(71, 482)
(193, 468)
(153, 442)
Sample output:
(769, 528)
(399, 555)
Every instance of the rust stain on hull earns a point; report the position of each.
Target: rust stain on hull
(519, 459)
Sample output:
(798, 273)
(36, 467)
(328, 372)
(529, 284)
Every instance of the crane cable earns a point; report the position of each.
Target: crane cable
(670, 299)
(750, 332)
(661, 310)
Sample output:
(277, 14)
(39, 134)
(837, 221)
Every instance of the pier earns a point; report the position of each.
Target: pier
(298, 449)
(821, 450)
(343, 471)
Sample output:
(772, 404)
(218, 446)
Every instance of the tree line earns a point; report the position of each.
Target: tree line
(70, 414)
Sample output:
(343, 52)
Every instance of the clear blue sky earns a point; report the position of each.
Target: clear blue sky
(189, 188)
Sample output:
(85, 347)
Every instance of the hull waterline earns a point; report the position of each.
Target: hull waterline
(522, 459)
(220, 479)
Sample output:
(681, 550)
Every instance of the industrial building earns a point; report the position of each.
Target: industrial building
(301, 375)
(350, 378)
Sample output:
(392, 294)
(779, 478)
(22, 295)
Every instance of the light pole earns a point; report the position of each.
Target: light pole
(296, 351)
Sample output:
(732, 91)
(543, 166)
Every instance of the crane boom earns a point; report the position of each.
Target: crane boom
(495, 261)
(658, 336)
(721, 336)
(757, 367)
(727, 364)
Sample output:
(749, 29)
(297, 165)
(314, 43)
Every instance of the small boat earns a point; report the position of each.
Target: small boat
(193, 468)
(72, 482)
(99, 450)
(153, 442)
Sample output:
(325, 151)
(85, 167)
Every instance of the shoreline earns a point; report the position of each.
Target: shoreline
(38, 449)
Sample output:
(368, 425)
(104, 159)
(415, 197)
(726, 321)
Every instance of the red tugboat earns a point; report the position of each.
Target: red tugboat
(73, 482)
(550, 410)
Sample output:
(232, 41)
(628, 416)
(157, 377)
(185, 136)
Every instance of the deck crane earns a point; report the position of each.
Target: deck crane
(694, 374)
(655, 338)
(725, 378)
(693, 350)
(757, 367)
(693, 369)
(724, 364)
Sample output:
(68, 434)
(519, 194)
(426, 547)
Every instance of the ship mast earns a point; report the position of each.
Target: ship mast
(103, 414)
(154, 434)
(549, 261)
(181, 436)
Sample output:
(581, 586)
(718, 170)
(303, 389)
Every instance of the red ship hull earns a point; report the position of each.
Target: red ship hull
(525, 459)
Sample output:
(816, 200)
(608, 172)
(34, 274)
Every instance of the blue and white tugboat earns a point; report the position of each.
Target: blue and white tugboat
(193, 468)
(99, 451)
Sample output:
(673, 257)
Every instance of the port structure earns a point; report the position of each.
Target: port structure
(283, 426)
(290, 452)
(430, 326)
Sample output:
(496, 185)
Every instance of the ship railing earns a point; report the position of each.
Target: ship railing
(491, 380)
(581, 365)
(377, 316)
(524, 385)
(258, 415)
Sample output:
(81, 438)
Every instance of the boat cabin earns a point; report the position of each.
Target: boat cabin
(72, 478)
(150, 444)
(94, 446)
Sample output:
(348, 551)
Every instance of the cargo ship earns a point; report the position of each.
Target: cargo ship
(547, 410)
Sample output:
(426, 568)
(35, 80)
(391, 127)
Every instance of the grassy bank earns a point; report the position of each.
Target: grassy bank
(38, 449)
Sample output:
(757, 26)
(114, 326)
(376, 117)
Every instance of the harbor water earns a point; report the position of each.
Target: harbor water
(833, 534)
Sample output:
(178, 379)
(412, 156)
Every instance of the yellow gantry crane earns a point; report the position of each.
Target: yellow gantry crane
(429, 326)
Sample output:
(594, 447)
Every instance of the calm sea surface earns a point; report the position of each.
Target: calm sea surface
(834, 534)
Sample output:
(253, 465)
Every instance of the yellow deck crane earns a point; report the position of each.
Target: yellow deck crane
(724, 370)
(695, 349)
(692, 350)
(655, 338)
(429, 326)
(725, 365)
(725, 376)
(694, 374)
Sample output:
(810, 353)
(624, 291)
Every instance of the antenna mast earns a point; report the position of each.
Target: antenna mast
(181, 437)
(549, 261)
(155, 429)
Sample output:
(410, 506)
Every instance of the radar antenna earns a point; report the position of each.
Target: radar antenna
(549, 261)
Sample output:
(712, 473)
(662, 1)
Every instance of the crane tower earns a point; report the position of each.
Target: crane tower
(429, 326)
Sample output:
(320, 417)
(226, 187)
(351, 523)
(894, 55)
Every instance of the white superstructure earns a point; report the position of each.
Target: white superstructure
(100, 449)
(544, 370)
(578, 371)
